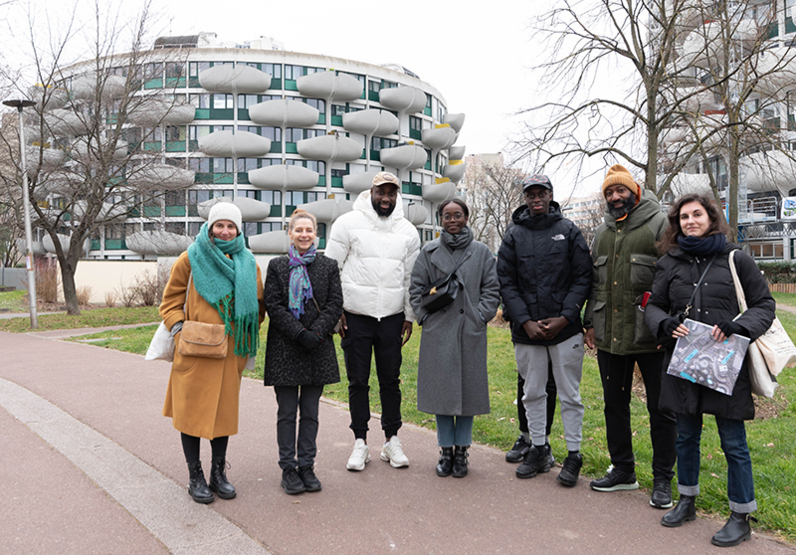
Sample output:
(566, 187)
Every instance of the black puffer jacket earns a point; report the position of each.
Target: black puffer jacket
(545, 271)
(675, 276)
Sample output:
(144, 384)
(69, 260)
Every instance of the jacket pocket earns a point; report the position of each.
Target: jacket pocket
(642, 271)
(641, 332)
(601, 269)
(599, 320)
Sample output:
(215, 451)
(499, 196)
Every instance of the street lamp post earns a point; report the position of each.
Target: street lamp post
(19, 104)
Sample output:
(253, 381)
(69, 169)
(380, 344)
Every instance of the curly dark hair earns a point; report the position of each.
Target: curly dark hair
(673, 232)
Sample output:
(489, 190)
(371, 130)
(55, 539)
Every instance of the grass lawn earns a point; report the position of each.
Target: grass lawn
(785, 298)
(95, 318)
(14, 301)
(771, 440)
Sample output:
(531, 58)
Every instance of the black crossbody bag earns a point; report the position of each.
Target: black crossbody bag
(443, 292)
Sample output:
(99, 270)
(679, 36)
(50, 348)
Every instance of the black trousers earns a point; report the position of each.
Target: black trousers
(552, 392)
(616, 372)
(382, 338)
(291, 400)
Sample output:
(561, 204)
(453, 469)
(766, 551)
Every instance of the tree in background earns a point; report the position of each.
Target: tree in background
(89, 156)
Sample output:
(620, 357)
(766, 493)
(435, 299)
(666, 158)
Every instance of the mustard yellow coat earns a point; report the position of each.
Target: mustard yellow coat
(203, 394)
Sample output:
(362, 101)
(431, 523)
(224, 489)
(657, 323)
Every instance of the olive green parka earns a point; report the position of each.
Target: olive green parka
(624, 254)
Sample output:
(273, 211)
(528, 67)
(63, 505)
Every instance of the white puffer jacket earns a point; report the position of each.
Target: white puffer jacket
(375, 255)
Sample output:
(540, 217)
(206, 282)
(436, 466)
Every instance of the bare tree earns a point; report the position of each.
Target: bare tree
(89, 161)
(492, 192)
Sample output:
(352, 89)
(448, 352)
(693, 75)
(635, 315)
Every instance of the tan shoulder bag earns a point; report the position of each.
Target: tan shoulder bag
(198, 339)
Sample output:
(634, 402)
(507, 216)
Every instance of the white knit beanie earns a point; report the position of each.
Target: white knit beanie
(225, 211)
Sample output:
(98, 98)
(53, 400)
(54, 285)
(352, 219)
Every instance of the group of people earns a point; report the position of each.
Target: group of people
(374, 282)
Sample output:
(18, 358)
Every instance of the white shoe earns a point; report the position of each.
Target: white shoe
(393, 453)
(359, 456)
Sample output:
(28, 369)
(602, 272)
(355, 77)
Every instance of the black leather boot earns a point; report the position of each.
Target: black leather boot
(460, 461)
(685, 511)
(445, 465)
(736, 530)
(197, 486)
(218, 479)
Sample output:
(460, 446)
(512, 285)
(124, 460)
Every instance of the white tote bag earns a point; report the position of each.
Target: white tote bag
(769, 353)
(162, 345)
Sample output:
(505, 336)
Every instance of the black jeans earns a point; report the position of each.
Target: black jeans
(366, 335)
(616, 372)
(291, 399)
(552, 392)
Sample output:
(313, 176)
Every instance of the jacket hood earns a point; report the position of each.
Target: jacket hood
(522, 216)
(646, 208)
(364, 204)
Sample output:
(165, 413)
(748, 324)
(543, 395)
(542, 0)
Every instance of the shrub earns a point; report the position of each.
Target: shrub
(47, 279)
(110, 298)
(778, 272)
(84, 295)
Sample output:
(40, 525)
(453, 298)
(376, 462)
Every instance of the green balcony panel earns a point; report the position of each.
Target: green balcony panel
(95, 244)
(175, 211)
(291, 148)
(375, 156)
(427, 111)
(322, 119)
(414, 134)
(276, 147)
(151, 211)
(772, 30)
(226, 113)
(243, 113)
(175, 146)
(289, 209)
(222, 178)
(193, 82)
(175, 82)
(115, 245)
(243, 178)
(276, 210)
(152, 146)
(321, 181)
(154, 84)
(201, 177)
(290, 85)
(193, 145)
(373, 96)
(337, 120)
(134, 213)
(337, 182)
(789, 26)
(202, 113)
(276, 83)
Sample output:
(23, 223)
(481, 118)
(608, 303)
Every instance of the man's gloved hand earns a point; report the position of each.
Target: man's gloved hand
(309, 339)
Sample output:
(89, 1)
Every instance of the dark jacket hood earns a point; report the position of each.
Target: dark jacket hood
(522, 216)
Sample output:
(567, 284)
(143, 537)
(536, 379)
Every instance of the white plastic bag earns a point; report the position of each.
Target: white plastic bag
(162, 345)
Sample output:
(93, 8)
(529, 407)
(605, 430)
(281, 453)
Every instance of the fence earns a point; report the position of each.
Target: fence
(782, 287)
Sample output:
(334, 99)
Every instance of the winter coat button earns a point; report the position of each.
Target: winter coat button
(442, 311)
(461, 311)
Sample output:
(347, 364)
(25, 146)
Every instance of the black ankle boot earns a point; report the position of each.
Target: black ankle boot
(460, 461)
(736, 530)
(218, 479)
(685, 511)
(197, 486)
(535, 462)
(445, 465)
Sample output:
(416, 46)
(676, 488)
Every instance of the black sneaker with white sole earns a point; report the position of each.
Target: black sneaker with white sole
(616, 480)
(661, 493)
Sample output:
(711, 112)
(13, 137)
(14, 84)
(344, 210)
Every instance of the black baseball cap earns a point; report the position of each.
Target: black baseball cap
(538, 180)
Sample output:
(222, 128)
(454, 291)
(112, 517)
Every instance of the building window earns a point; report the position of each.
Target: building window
(223, 101)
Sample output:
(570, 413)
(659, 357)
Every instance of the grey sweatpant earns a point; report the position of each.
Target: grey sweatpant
(567, 359)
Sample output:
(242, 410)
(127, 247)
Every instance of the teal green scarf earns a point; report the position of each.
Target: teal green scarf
(229, 285)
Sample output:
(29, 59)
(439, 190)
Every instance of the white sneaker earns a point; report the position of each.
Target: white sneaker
(393, 453)
(359, 456)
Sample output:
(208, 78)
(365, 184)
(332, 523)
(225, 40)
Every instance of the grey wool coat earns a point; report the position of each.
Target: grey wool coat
(287, 362)
(451, 371)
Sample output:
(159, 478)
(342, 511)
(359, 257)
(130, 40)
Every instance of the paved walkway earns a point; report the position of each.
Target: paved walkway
(90, 466)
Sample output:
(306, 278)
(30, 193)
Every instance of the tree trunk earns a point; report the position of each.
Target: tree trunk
(734, 184)
(68, 267)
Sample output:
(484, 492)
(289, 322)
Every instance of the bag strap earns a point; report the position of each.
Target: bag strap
(185, 305)
(742, 306)
(458, 264)
(690, 304)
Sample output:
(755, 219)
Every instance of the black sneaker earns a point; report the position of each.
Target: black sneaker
(311, 482)
(291, 482)
(551, 460)
(534, 463)
(616, 480)
(571, 470)
(518, 452)
(661, 493)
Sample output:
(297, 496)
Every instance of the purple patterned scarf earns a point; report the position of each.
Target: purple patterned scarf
(299, 288)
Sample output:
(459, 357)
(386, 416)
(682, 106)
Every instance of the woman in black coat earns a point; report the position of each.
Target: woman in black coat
(695, 236)
(304, 301)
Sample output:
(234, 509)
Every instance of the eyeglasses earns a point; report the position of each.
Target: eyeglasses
(455, 216)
